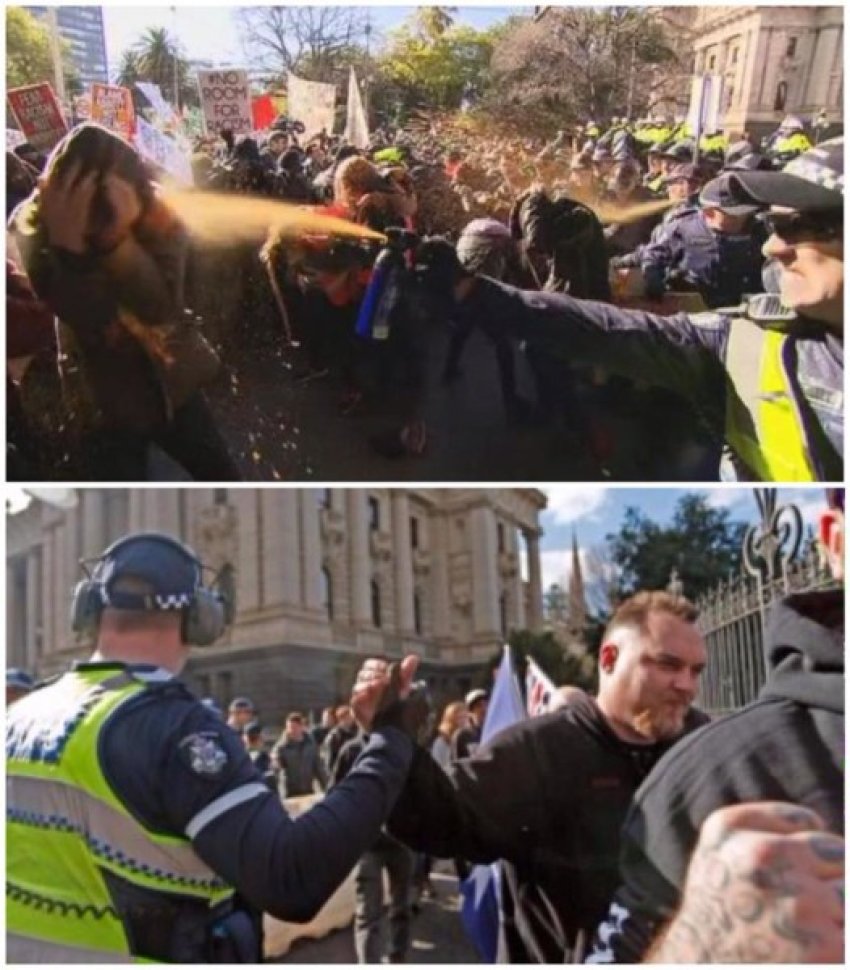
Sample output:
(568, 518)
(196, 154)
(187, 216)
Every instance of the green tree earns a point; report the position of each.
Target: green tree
(28, 56)
(129, 70)
(433, 22)
(156, 57)
(421, 71)
(702, 544)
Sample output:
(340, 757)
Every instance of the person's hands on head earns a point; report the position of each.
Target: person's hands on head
(379, 686)
(126, 209)
(65, 208)
(765, 885)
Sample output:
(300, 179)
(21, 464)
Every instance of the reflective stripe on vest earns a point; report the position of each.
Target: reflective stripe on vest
(65, 825)
(763, 424)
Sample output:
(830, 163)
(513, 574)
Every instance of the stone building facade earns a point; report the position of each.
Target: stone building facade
(774, 61)
(322, 578)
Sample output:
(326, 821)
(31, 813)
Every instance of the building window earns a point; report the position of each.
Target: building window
(733, 57)
(414, 532)
(328, 592)
(376, 604)
(500, 532)
(503, 614)
(326, 498)
(417, 614)
(791, 48)
(374, 513)
(781, 96)
(219, 496)
(204, 685)
(712, 61)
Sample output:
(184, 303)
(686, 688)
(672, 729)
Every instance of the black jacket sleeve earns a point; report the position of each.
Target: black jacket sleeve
(484, 808)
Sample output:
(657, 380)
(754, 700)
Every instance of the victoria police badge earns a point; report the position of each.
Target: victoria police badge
(204, 753)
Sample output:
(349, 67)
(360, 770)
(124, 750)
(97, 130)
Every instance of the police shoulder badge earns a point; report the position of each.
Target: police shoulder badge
(204, 753)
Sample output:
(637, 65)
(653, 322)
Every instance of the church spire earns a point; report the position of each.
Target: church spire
(577, 604)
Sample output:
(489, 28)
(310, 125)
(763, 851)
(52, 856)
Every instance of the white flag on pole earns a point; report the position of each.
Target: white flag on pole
(356, 126)
(539, 689)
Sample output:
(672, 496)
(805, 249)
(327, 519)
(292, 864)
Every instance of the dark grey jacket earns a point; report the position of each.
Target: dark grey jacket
(299, 765)
(684, 353)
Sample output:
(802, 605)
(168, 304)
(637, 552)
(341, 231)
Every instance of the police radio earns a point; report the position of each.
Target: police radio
(205, 610)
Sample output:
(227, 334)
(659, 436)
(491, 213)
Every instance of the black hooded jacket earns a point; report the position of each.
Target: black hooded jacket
(787, 746)
(548, 796)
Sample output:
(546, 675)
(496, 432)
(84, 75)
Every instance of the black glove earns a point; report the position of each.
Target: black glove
(408, 714)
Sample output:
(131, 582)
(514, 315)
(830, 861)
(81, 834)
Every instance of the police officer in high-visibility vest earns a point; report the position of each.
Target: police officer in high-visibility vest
(788, 141)
(766, 377)
(133, 812)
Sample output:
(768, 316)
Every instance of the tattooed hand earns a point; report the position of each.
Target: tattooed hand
(765, 885)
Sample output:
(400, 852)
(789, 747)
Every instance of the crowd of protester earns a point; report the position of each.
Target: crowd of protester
(632, 217)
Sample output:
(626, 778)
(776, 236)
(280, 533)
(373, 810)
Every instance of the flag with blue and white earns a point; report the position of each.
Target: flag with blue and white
(480, 890)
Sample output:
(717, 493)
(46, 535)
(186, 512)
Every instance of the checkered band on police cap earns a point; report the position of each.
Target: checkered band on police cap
(813, 182)
(169, 570)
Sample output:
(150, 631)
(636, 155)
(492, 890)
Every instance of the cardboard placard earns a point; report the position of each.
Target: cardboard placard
(225, 101)
(112, 107)
(311, 103)
(38, 113)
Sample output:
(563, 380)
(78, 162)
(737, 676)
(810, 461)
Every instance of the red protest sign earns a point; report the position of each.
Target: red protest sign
(38, 113)
(112, 107)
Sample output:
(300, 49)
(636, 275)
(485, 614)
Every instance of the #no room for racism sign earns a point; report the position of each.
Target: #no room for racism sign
(225, 101)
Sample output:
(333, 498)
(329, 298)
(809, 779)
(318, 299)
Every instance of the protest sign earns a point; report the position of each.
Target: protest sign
(157, 147)
(14, 138)
(112, 107)
(311, 103)
(37, 112)
(162, 109)
(225, 101)
(263, 112)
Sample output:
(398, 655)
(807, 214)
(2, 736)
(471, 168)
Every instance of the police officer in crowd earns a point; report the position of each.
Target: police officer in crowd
(133, 812)
(548, 795)
(766, 377)
(714, 250)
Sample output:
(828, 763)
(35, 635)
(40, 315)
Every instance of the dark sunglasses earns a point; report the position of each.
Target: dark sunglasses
(796, 227)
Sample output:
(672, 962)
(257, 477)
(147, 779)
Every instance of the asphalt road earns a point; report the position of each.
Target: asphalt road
(438, 935)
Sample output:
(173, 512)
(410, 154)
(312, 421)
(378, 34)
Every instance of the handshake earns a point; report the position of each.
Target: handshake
(385, 695)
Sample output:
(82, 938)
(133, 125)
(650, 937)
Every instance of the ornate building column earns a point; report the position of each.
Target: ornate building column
(311, 544)
(281, 547)
(485, 574)
(535, 582)
(403, 562)
(360, 570)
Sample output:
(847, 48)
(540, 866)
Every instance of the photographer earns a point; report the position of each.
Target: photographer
(106, 254)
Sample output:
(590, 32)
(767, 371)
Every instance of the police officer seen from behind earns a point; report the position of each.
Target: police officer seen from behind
(766, 377)
(133, 812)
(715, 250)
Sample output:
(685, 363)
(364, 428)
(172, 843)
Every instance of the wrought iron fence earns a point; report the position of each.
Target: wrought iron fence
(777, 561)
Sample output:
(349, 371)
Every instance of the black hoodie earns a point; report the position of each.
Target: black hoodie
(787, 746)
(548, 796)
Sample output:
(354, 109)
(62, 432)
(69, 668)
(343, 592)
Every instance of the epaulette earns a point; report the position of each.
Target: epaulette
(768, 309)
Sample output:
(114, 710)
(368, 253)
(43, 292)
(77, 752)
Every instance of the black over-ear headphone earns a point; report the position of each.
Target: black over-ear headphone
(203, 608)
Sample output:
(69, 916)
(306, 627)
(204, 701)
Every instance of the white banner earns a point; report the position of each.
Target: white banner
(356, 126)
(311, 103)
(704, 113)
(152, 144)
(225, 101)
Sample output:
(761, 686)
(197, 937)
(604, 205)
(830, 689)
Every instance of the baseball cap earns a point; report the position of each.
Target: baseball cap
(474, 696)
(253, 729)
(170, 569)
(241, 704)
(15, 677)
(814, 181)
(719, 194)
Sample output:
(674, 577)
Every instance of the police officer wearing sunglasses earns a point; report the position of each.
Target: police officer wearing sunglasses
(766, 378)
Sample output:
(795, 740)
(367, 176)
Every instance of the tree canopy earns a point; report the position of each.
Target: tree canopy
(28, 56)
(703, 544)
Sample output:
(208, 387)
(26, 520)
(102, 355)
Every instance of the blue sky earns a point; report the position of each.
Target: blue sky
(594, 511)
(209, 32)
